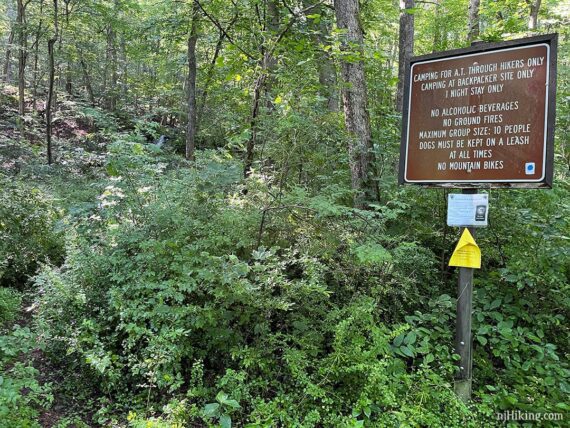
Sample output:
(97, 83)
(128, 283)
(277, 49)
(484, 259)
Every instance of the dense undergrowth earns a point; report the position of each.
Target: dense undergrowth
(164, 294)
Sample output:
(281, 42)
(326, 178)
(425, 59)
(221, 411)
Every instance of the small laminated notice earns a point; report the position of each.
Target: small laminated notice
(467, 252)
(467, 209)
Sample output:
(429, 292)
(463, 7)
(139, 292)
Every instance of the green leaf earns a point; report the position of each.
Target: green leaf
(495, 304)
(429, 358)
(484, 329)
(407, 351)
(112, 170)
(482, 340)
(225, 421)
(211, 409)
(222, 397)
(410, 338)
(372, 254)
(232, 403)
(399, 339)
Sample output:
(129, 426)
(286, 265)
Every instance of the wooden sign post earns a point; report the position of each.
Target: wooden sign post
(479, 117)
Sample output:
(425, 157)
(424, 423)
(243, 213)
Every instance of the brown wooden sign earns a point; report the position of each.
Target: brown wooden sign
(481, 116)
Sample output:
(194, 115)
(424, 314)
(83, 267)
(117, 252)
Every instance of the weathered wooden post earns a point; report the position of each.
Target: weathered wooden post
(463, 337)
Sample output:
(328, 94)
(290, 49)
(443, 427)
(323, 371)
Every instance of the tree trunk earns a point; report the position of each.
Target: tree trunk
(533, 19)
(192, 70)
(209, 77)
(7, 62)
(248, 164)
(68, 80)
(125, 70)
(36, 47)
(87, 80)
(264, 82)
(327, 80)
(22, 56)
(325, 63)
(473, 30)
(406, 47)
(112, 62)
(269, 60)
(354, 100)
(437, 30)
(51, 66)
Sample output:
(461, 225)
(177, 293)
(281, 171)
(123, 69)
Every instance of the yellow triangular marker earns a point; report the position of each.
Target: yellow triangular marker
(467, 253)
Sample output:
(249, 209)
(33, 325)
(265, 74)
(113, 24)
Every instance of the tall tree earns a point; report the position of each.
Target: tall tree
(264, 81)
(327, 72)
(51, 66)
(192, 70)
(112, 64)
(22, 56)
(36, 48)
(406, 46)
(533, 18)
(11, 16)
(6, 73)
(473, 30)
(354, 100)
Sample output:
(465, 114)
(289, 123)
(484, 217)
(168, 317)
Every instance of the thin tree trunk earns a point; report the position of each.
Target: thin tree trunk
(87, 80)
(112, 55)
(327, 79)
(68, 79)
(269, 60)
(355, 101)
(209, 77)
(533, 19)
(210, 74)
(51, 45)
(406, 47)
(22, 56)
(325, 63)
(125, 70)
(192, 70)
(257, 90)
(264, 82)
(437, 29)
(473, 30)
(36, 47)
(7, 62)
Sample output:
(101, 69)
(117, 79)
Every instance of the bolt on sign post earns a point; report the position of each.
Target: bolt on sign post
(478, 118)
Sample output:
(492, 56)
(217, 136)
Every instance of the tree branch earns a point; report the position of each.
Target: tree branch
(219, 26)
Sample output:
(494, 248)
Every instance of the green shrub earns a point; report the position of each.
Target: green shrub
(27, 232)
(165, 291)
(10, 304)
(180, 287)
(21, 394)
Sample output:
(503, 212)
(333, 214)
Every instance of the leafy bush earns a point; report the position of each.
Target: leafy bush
(21, 394)
(166, 290)
(10, 302)
(189, 300)
(27, 232)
